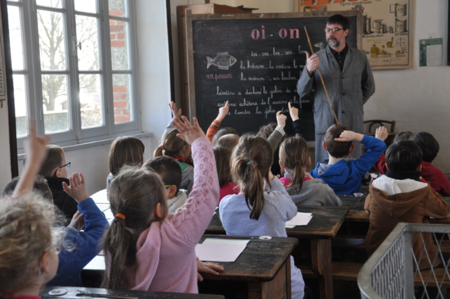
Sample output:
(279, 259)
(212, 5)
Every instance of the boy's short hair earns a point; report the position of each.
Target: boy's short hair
(228, 141)
(223, 131)
(340, 20)
(168, 169)
(402, 136)
(427, 143)
(54, 160)
(403, 156)
(40, 187)
(337, 149)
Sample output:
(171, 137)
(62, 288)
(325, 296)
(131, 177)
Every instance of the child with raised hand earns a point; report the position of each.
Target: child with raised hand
(263, 206)
(28, 257)
(146, 249)
(303, 188)
(227, 186)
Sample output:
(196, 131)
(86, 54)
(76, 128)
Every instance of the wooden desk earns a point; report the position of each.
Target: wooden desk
(264, 266)
(105, 293)
(323, 226)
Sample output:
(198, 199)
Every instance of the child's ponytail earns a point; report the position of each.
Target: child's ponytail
(171, 144)
(252, 160)
(294, 156)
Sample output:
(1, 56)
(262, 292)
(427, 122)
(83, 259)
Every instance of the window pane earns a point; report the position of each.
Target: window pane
(87, 35)
(21, 104)
(91, 103)
(50, 3)
(15, 37)
(118, 8)
(56, 103)
(51, 40)
(122, 98)
(86, 5)
(119, 45)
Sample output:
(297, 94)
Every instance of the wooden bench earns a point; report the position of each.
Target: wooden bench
(349, 272)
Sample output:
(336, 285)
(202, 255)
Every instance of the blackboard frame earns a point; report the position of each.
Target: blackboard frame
(190, 18)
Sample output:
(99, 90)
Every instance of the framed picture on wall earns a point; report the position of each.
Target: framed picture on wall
(388, 28)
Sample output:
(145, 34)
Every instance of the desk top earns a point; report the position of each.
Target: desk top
(324, 224)
(105, 293)
(260, 261)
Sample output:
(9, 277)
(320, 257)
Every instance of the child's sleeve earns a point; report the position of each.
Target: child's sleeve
(367, 203)
(287, 207)
(88, 241)
(375, 147)
(435, 205)
(213, 129)
(380, 165)
(168, 127)
(443, 187)
(298, 128)
(274, 139)
(191, 220)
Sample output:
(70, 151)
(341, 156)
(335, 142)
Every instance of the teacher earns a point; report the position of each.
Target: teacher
(348, 79)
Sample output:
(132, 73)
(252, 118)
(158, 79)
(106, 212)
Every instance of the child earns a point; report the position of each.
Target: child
(54, 169)
(399, 196)
(255, 212)
(227, 186)
(28, 257)
(344, 175)
(175, 147)
(228, 141)
(430, 173)
(304, 189)
(380, 165)
(125, 150)
(170, 172)
(144, 248)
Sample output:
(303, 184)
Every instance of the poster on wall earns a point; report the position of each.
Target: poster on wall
(388, 28)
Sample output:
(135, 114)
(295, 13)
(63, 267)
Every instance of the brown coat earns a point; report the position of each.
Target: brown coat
(386, 211)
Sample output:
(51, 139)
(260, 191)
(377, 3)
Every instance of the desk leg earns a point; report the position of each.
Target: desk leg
(321, 266)
(279, 287)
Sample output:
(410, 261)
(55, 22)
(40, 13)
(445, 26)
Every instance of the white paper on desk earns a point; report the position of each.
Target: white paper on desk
(225, 241)
(218, 252)
(299, 219)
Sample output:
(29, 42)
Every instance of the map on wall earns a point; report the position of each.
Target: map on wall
(388, 28)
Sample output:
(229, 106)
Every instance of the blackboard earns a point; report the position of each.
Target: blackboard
(254, 61)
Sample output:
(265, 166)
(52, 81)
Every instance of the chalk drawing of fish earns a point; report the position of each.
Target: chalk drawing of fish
(223, 61)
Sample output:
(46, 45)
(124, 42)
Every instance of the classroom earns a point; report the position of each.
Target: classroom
(416, 98)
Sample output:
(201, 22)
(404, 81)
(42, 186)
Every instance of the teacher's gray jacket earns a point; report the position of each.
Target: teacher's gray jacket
(348, 91)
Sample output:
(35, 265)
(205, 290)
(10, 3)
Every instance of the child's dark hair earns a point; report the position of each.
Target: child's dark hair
(223, 156)
(337, 149)
(26, 233)
(340, 20)
(53, 160)
(40, 187)
(294, 156)
(403, 156)
(427, 143)
(134, 193)
(171, 144)
(402, 136)
(126, 150)
(223, 131)
(252, 159)
(168, 169)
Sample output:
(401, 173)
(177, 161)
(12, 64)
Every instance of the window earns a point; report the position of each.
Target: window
(74, 68)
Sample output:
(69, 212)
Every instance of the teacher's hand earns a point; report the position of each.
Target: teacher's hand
(312, 63)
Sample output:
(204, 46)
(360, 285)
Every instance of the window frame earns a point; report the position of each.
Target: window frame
(33, 74)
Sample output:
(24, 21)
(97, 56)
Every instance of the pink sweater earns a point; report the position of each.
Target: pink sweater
(165, 258)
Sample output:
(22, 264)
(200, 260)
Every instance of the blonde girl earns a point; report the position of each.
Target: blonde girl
(147, 249)
(303, 188)
(263, 206)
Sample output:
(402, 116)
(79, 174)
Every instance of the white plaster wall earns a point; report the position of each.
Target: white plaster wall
(5, 158)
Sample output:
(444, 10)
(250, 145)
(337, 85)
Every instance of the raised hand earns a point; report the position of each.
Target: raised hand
(312, 63)
(77, 221)
(293, 112)
(173, 108)
(381, 133)
(187, 131)
(349, 136)
(281, 119)
(223, 111)
(77, 188)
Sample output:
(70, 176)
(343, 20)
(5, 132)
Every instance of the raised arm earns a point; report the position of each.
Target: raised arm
(215, 125)
(277, 134)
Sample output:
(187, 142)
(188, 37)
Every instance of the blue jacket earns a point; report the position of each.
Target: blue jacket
(345, 176)
(85, 244)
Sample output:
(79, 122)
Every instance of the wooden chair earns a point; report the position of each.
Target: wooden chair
(379, 122)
